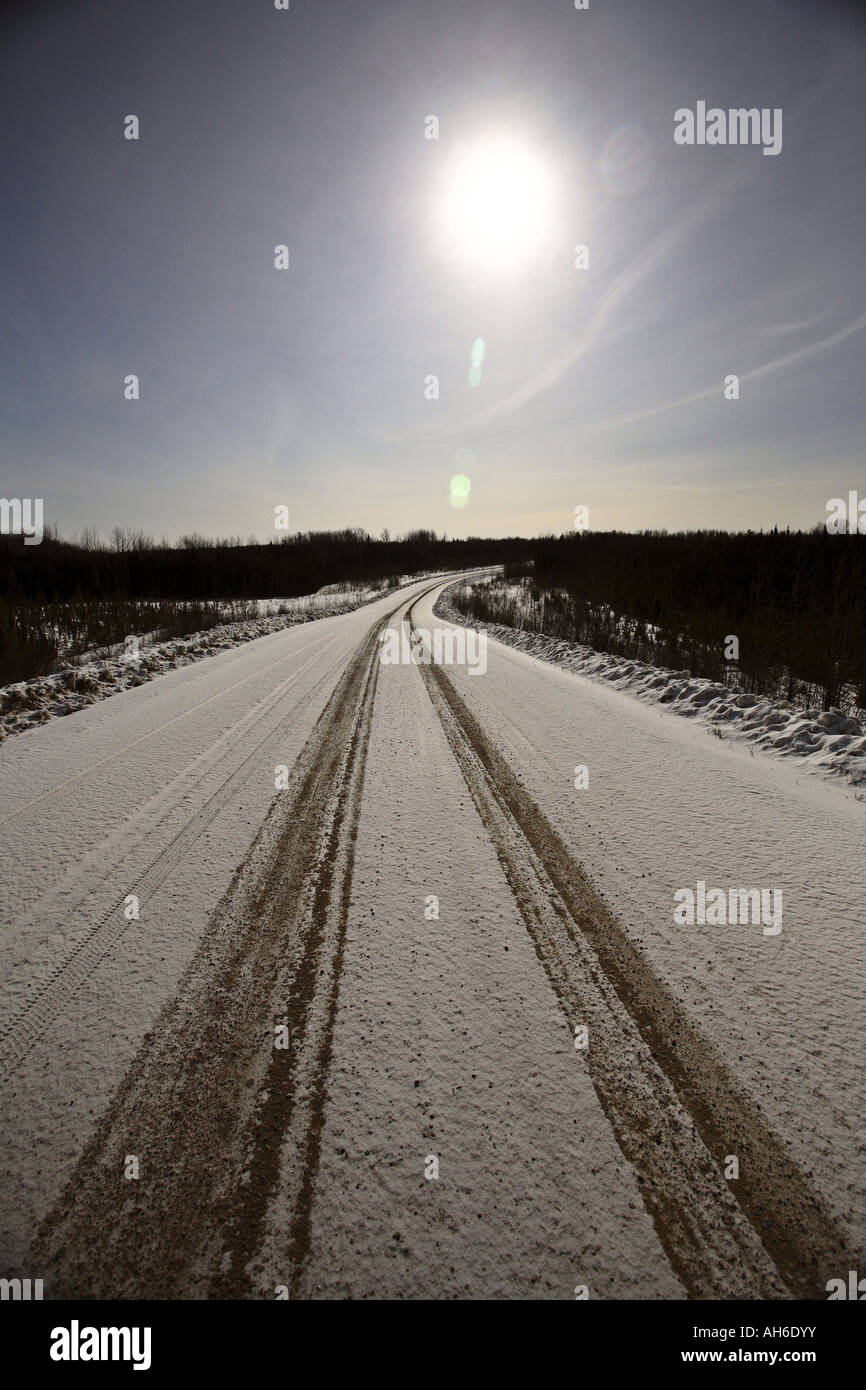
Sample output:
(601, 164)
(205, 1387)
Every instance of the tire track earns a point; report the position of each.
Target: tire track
(274, 1205)
(675, 1111)
(86, 772)
(53, 994)
(222, 1121)
(173, 792)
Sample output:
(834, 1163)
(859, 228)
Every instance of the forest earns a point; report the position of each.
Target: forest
(795, 601)
(71, 595)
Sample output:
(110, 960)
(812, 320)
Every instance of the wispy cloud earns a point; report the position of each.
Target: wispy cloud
(656, 254)
(790, 359)
(782, 329)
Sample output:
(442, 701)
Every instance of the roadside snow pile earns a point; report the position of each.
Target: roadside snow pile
(325, 603)
(826, 740)
(32, 702)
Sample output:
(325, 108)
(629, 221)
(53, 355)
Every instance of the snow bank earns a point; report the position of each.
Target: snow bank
(28, 703)
(827, 741)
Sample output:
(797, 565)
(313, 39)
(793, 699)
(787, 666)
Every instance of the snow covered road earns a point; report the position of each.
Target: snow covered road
(339, 1037)
(668, 806)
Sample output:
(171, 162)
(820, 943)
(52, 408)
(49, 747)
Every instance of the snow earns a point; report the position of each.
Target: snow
(449, 1039)
(26, 704)
(825, 741)
(159, 792)
(449, 1042)
(667, 806)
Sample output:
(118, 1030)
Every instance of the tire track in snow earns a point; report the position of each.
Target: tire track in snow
(38, 1013)
(222, 1121)
(674, 1109)
(274, 1204)
(149, 736)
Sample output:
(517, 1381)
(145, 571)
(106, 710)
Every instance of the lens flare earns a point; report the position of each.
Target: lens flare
(459, 490)
(478, 351)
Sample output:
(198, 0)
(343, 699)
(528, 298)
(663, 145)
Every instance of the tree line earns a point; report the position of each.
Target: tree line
(795, 600)
(71, 596)
(133, 567)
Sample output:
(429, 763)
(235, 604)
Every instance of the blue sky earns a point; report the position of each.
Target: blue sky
(601, 387)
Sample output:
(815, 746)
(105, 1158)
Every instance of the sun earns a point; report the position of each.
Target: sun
(496, 204)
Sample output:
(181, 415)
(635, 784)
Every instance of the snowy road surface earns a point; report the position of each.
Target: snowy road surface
(412, 1017)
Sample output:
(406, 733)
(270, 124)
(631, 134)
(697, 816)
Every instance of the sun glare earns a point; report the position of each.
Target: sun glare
(496, 208)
